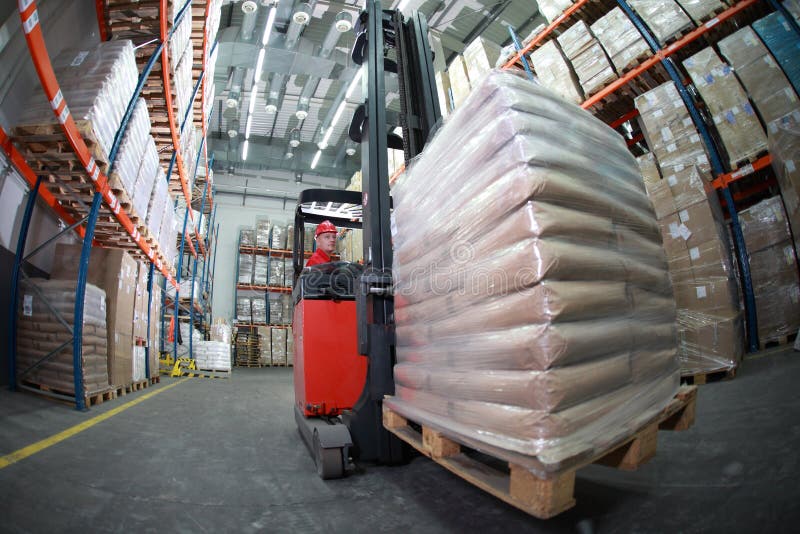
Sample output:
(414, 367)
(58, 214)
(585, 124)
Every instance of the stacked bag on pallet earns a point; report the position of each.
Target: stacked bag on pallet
(553, 71)
(265, 345)
(783, 43)
(587, 57)
(260, 270)
(773, 269)
(40, 332)
(535, 316)
(278, 237)
(733, 115)
(278, 346)
(213, 356)
(149, 171)
(783, 136)
(247, 237)
(464, 73)
(159, 201)
(621, 40)
(244, 313)
(288, 272)
(665, 18)
(262, 233)
(259, 309)
(761, 76)
(246, 269)
(276, 271)
(188, 332)
(701, 10)
(131, 150)
(552, 9)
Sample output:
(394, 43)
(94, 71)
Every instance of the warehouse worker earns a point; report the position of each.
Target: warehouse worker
(326, 243)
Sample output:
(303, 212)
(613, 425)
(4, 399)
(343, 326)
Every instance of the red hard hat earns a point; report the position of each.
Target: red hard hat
(324, 227)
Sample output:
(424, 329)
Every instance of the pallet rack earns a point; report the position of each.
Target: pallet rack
(613, 103)
(92, 211)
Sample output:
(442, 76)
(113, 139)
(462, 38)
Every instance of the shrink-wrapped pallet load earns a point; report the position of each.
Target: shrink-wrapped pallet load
(621, 40)
(260, 270)
(247, 237)
(701, 10)
(308, 237)
(262, 233)
(534, 310)
(288, 272)
(131, 150)
(221, 331)
(286, 309)
(731, 111)
(783, 136)
(259, 309)
(480, 57)
(289, 347)
(784, 44)
(244, 313)
(665, 18)
(649, 168)
(459, 80)
(276, 271)
(552, 9)
(275, 308)
(158, 201)
(213, 356)
(265, 345)
(278, 237)
(40, 331)
(278, 346)
(587, 57)
(246, 269)
(149, 171)
(555, 73)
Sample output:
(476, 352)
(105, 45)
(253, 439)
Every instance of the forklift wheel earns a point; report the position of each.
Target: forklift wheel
(329, 461)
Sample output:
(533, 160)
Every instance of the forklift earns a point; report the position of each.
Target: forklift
(343, 322)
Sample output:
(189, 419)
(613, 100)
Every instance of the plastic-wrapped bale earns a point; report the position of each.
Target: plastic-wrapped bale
(278, 237)
(260, 270)
(97, 84)
(139, 371)
(733, 116)
(669, 130)
(276, 270)
(288, 272)
(213, 356)
(289, 346)
(308, 237)
(587, 57)
(244, 313)
(761, 76)
(145, 181)
(290, 237)
(265, 345)
(158, 200)
(259, 307)
(183, 83)
(621, 40)
(247, 237)
(246, 268)
(555, 73)
(783, 43)
(665, 18)
(286, 309)
(221, 331)
(263, 229)
(534, 311)
(701, 10)
(39, 332)
(278, 346)
(275, 308)
(131, 150)
(649, 168)
(552, 9)
(783, 136)
(480, 57)
(773, 269)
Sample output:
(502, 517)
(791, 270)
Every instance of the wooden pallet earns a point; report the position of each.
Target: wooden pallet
(137, 386)
(708, 376)
(782, 340)
(94, 398)
(543, 497)
(747, 161)
(47, 149)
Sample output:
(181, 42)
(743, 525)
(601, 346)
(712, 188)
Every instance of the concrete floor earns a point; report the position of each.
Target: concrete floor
(224, 456)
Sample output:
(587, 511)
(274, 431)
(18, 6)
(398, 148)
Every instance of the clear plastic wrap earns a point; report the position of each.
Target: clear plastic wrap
(265, 345)
(575, 40)
(246, 269)
(678, 190)
(181, 37)
(552, 9)
(783, 42)
(308, 237)
(554, 72)
(480, 57)
(289, 347)
(221, 331)
(275, 308)
(709, 343)
(278, 237)
(286, 309)
(533, 306)
(247, 237)
(649, 168)
(733, 116)
(132, 149)
(593, 69)
(773, 271)
(290, 237)
(288, 272)
(262, 233)
(183, 84)
(213, 356)
(701, 10)
(159, 199)
(665, 18)
(145, 181)
(278, 346)
(783, 136)
(621, 40)
(459, 80)
(276, 270)
(260, 270)
(259, 309)
(764, 224)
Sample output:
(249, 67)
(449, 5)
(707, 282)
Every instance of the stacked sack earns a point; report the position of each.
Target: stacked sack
(39, 332)
(213, 356)
(587, 57)
(534, 311)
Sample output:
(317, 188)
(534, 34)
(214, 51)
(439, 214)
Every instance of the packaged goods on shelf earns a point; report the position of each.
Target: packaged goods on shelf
(709, 343)
(289, 346)
(678, 191)
(139, 373)
(760, 74)
(40, 331)
(701, 10)
(621, 40)
(669, 130)
(169, 233)
(263, 230)
(259, 309)
(443, 92)
(275, 308)
(154, 339)
(189, 156)
(221, 331)
(260, 269)
(275, 278)
(246, 269)
(188, 331)
(183, 85)
(180, 39)
(308, 238)
(480, 57)
(459, 80)
(587, 57)
(278, 237)
(247, 237)
(783, 136)
(189, 289)
(213, 356)
(733, 116)
(793, 7)
(522, 236)
(159, 199)
(290, 237)
(288, 272)
(649, 168)
(764, 224)
(350, 245)
(664, 17)
(575, 40)
(552, 9)
(286, 309)
(278, 346)
(783, 43)
(265, 345)
(145, 181)
(244, 312)
(246, 342)
(97, 85)
(132, 149)
(554, 72)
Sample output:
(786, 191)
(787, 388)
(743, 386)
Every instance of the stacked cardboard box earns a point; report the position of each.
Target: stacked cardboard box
(669, 130)
(783, 43)
(773, 269)
(760, 74)
(40, 331)
(665, 18)
(265, 345)
(621, 40)
(555, 73)
(587, 57)
(246, 267)
(733, 116)
(459, 80)
(443, 92)
(278, 346)
(784, 146)
(480, 57)
(552, 9)
(649, 168)
(701, 10)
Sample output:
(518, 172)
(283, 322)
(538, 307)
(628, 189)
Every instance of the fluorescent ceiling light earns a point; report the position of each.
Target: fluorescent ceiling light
(245, 146)
(247, 127)
(252, 100)
(338, 114)
(268, 28)
(353, 84)
(315, 160)
(259, 65)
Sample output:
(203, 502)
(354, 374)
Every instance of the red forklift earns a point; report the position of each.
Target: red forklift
(344, 312)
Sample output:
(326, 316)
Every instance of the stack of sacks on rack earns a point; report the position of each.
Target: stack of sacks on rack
(278, 346)
(158, 204)
(783, 136)
(259, 310)
(783, 43)
(308, 237)
(140, 308)
(276, 271)
(773, 269)
(149, 171)
(221, 331)
(288, 272)
(265, 345)
(213, 356)
(263, 230)
(169, 234)
(183, 348)
(665, 18)
(587, 57)
(183, 83)
(552, 9)
(154, 336)
(621, 40)
(180, 38)
(246, 265)
(189, 289)
(189, 157)
(533, 306)
(286, 309)
(761, 76)
(290, 237)
(97, 85)
(247, 237)
(244, 313)
(131, 150)
(260, 270)
(554, 72)
(669, 130)
(278, 237)
(289, 346)
(275, 308)
(733, 116)
(40, 331)
(701, 10)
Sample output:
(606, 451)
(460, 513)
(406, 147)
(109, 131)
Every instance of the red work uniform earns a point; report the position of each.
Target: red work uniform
(318, 257)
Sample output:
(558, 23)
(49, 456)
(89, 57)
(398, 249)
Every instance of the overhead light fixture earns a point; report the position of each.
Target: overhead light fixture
(294, 140)
(316, 159)
(302, 110)
(249, 6)
(253, 94)
(247, 126)
(343, 22)
(303, 14)
(245, 146)
(259, 65)
(289, 153)
(322, 145)
(270, 23)
(350, 150)
(298, 177)
(233, 128)
(354, 83)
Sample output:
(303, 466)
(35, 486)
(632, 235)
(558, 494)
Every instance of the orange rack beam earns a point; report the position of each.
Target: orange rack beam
(723, 180)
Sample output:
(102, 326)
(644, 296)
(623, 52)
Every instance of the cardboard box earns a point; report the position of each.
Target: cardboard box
(784, 146)
(706, 261)
(649, 168)
(709, 342)
(708, 296)
(443, 92)
(680, 188)
(742, 47)
(764, 224)
(459, 81)
(480, 56)
(555, 73)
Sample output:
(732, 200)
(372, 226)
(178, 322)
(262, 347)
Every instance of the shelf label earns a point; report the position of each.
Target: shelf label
(744, 171)
(27, 305)
(711, 23)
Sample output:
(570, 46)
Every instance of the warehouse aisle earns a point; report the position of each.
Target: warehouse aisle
(224, 456)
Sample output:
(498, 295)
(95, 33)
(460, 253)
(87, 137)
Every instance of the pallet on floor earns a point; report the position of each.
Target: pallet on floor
(93, 398)
(543, 497)
(704, 377)
(209, 373)
(777, 342)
